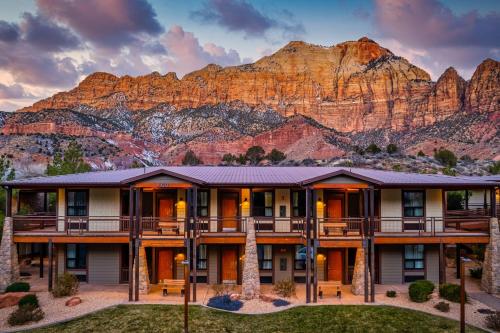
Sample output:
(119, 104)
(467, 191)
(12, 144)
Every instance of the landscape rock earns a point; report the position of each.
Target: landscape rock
(10, 299)
(73, 301)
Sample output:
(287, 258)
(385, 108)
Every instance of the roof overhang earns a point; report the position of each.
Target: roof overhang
(161, 172)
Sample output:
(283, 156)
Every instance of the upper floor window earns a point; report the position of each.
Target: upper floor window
(298, 203)
(77, 203)
(202, 258)
(414, 257)
(262, 203)
(413, 203)
(265, 254)
(76, 256)
(203, 203)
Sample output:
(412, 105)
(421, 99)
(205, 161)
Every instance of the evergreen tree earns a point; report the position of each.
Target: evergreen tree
(191, 159)
(255, 154)
(276, 156)
(71, 161)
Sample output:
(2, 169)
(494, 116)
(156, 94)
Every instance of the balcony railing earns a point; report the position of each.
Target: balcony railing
(279, 224)
(340, 227)
(213, 224)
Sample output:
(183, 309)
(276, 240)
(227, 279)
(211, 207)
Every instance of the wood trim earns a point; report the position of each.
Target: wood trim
(73, 239)
(280, 240)
(339, 186)
(433, 240)
(222, 240)
(162, 242)
(340, 243)
(167, 186)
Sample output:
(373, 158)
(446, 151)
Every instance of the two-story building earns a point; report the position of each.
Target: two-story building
(393, 227)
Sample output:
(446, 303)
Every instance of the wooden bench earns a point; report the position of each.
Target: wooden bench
(171, 284)
(168, 228)
(330, 287)
(335, 229)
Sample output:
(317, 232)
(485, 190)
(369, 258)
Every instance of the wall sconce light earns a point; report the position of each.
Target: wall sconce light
(179, 257)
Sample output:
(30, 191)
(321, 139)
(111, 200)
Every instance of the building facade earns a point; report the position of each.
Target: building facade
(313, 224)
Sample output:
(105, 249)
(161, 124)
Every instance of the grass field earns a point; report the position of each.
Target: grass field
(169, 318)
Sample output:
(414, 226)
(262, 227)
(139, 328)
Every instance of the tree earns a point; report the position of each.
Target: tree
(228, 159)
(445, 157)
(391, 148)
(494, 169)
(7, 172)
(276, 156)
(255, 154)
(373, 149)
(191, 159)
(241, 159)
(421, 154)
(71, 161)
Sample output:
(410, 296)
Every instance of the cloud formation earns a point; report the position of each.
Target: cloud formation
(241, 16)
(14, 91)
(109, 23)
(440, 37)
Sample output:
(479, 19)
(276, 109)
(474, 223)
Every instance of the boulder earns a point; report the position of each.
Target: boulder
(75, 300)
(10, 299)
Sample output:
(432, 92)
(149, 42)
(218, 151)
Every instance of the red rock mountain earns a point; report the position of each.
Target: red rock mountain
(309, 101)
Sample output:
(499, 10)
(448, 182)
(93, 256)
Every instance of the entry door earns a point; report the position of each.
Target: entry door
(334, 265)
(335, 207)
(165, 264)
(229, 265)
(166, 207)
(229, 211)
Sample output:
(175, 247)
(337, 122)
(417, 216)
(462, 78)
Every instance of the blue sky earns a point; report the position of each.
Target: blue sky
(50, 45)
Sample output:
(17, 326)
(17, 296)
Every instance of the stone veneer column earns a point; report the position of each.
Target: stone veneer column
(358, 276)
(251, 279)
(9, 262)
(143, 272)
(490, 282)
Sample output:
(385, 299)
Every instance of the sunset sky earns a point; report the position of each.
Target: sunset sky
(50, 45)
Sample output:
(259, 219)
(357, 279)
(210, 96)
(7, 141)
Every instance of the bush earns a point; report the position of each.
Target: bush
(390, 293)
(442, 306)
(493, 321)
(30, 299)
(450, 292)
(494, 168)
(421, 154)
(476, 273)
(373, 149)
(191, 159)
(445, 157)
(276, 156)
(280, 302)
(391, 148)
(284, 288)
(25, 314)
(225, 303)
(255, 154)
(66, 285)
(18, 287)
(419, 291)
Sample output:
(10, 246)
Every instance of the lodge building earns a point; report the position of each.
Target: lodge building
(312, 224)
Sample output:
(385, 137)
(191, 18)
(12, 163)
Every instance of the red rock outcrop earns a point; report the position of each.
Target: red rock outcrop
(483, 90)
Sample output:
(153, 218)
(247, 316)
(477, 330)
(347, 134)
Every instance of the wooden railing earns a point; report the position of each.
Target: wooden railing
(340, 227)
(35, 222)
(220, 224)
(279, 224)
(166, 226)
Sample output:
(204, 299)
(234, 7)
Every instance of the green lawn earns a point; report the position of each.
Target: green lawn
(169, 318)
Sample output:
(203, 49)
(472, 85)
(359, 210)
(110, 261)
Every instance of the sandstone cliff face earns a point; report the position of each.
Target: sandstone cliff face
(483, 91)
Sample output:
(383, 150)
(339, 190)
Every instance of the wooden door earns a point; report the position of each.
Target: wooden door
(229, 272)
(229, 211)
(335, 208)
(334, 265)
(165, 264)
(166, 207)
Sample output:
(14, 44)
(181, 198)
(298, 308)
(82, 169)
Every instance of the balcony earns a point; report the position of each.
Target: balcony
(340, 227)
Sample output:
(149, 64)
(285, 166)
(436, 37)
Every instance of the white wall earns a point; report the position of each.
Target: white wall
(434, 208)
(390, 206)
(282, 198)
(104, 202)
(61, 208)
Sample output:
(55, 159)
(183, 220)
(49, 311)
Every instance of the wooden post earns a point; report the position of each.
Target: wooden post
(187, 239)
(372, 245)
(365, 240)
(51, 263)
(138, 221)
(461, 263)
(442, 264)
(457, 259)
(315, 245)
(493, 204)
(131, 245)
(8, 202)
(186, 296)
(308, 245)
(194, 214)
(42, 246)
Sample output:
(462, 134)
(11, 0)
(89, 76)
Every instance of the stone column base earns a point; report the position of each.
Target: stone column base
(490, 281)
(9, 261)
(358, 276)
(251, 280)
(144, 286)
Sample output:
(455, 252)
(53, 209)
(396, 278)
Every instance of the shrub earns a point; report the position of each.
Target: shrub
(66, 285)
(449, 171)
(494, 168)
(445, 157)
(18, 287)
(442, 306)
(390, 293)
(25, 314)
(280, 302)
(419, 291)
(276, 156)
(191, 159)
(450, 292)
(284, 288)
(225, 303)
(30, 299)
(373, 149)
(391, 148)
(493, 321)
(255, 154)
(421, 154)
(476, 273)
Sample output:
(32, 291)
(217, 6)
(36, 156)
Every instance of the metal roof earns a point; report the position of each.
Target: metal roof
(250, 176)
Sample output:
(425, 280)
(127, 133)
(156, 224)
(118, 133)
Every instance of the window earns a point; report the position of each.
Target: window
(300, 257)
(203, 202)
(77, 203)
(202, 257)
(263, 203)
(265, 253)
(414, 257)
(76, 256)
(413, 203)
(298, 203)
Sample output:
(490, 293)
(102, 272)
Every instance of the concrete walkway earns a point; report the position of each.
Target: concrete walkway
(487, 299)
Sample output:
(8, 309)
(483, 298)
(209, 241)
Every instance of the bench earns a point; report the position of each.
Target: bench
(335, 229)
(331, 287)
(171, 284)
(168, 228)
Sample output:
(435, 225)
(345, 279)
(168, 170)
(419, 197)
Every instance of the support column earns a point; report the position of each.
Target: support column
(251, 279)
(490, 281)
(42, 246)
(372, 245)
(315, 245)
(137, 241)
(141, 266)
(457, 259)
(308, 245)
(365, 247)
(442, 264)
(51, 263)
(131, 245)
(9, 261)
(187, 240)
(195, 245)
(360, 276)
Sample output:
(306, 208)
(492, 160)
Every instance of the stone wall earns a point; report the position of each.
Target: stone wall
(251, 279)
(490, 281)
(143, 272)
(9, 263)
(358, 277)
